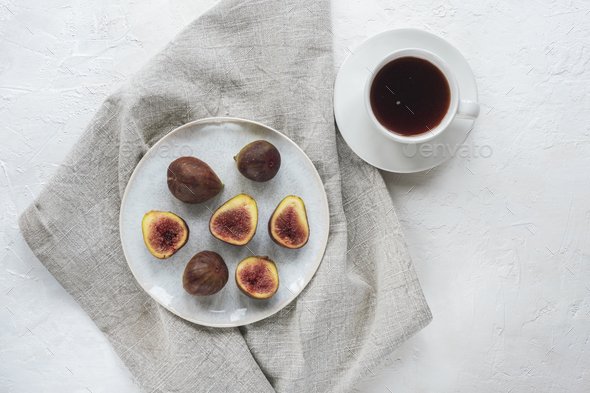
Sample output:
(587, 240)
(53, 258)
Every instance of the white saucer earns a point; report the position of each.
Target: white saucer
(354, 122)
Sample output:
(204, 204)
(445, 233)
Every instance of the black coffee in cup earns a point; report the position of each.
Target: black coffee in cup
(410, 96)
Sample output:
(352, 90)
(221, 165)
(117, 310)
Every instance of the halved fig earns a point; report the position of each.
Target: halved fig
(259, 161)
(205, 274)
(192, 180)
(235, 221)
(288, 226)
(257, 277)
(164, 233)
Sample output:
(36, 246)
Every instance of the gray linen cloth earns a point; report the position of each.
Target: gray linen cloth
(263, 60)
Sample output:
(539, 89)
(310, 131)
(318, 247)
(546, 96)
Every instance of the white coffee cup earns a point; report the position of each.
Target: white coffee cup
(457, 107)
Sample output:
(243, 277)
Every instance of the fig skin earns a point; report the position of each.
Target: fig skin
(257, 277)
(164, 233)
(235, 221)
(205, 274)
(259, 161)
(288, 225)
(192, 181)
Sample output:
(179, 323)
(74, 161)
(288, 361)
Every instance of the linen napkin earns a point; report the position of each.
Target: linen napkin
(269, 61)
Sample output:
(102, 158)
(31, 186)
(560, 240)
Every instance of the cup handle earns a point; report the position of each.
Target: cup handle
(468, 109)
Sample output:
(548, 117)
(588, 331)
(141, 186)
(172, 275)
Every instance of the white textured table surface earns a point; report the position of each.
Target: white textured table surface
(501, 244)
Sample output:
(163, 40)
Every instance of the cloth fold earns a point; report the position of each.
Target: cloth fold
(266, 61)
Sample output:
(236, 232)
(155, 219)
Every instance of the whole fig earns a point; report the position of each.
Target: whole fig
(192, 180)
(259, 161)
(205, 274)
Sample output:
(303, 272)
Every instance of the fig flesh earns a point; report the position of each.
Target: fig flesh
(192, 180)
(257, 277)
(205, 274)
(288, 226)
(164, 233)
(259, 161)
(235, 221)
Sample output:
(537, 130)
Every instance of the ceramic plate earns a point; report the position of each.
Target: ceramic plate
(216, 141)
(353, 120)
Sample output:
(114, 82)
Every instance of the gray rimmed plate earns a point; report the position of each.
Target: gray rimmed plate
(216, 141)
